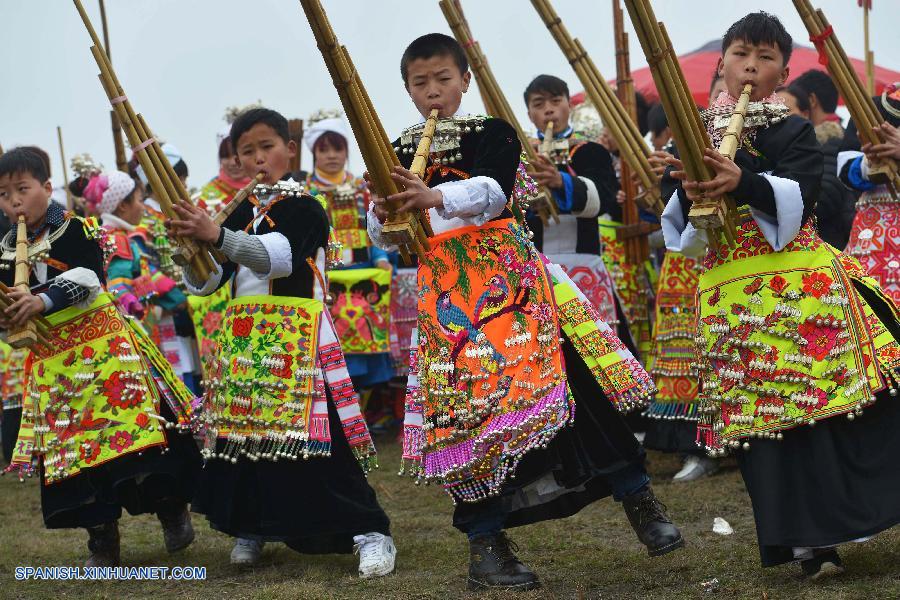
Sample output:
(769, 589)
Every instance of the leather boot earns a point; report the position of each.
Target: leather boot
(178, 532)
(650, 522)
(103, 542)
(492, 565)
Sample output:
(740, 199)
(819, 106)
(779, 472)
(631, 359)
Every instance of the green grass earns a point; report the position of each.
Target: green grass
(592, 555)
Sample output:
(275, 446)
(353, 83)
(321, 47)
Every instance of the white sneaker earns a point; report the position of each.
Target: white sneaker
(376, 554)
(246, 552)
(696, 467)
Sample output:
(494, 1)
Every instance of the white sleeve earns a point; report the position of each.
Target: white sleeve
(846, 156)
(780, 230)
(202, 288)
(280, 256)
(592, 205)
(680, 236)
(476, 200)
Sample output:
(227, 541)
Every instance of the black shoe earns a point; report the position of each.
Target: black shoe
(650, 522)
(178, 532)
(492, 565)
(824, 563)
(103, 542)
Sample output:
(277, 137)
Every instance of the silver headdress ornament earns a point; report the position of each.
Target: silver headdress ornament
(84, 166)
(287, 187)
(585, 119)
(233, 112)
(322, 114)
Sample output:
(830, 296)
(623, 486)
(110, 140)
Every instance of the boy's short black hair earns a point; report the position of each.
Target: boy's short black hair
(656, 119)
(26, 159)
(547, 84)
(760, 28)
(429, 45)
(266, 116)
(819, 83)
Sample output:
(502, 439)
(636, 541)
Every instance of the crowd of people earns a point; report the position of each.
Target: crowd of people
(526, 362)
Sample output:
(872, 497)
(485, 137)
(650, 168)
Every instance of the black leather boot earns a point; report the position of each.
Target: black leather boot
(103, 542)
(492, 565)
(178, 532)
(650, 522)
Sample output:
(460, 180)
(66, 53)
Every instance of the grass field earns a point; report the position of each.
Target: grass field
(592, 555)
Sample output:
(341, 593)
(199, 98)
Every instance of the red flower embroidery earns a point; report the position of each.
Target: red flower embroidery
(87, 353)
(118, 395)
(284, 370)
(89, 451)
(141, 420)
(69, 360)
(121, 441)
(211, 322)
(820, 340)
(817, 284)
(116, 347)
(242, 326)
(714, 299)
(778, 284)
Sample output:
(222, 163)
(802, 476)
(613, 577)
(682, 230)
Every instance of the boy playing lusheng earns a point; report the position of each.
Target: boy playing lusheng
(280, 392)
(488, 395)
(791, 333)
(581, 177)
(99, 397)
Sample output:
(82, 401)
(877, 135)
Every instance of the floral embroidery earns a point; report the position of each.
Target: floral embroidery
(820, 339)
(89, 451)
(121, 441)
(242, 327)
(118, 394)
(817, 284)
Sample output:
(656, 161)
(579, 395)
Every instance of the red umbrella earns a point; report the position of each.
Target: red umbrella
(699, 65)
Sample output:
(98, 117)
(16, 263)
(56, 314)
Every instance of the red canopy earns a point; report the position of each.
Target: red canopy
(699, 65)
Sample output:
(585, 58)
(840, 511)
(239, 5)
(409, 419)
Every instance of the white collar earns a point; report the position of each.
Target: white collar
(114, 222)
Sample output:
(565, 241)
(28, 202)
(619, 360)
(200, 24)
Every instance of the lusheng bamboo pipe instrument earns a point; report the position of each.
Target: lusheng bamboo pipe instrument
(857, 99)
(691, 137)
(70, 201)
(623, 129)
(496, 103)
(423, 150)
(547, 143)
(637, 247)
(26, 335)
(118, 144)
(241, 195)
(409, 231)
(167, 187)
(42, 325)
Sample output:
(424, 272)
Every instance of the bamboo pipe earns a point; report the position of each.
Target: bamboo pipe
(70, 202)
(236, 201)
(423, 150)
(147, 159)
(200, 261)
(118, 144)
(26, 335)
(501, 108)
(621, 127)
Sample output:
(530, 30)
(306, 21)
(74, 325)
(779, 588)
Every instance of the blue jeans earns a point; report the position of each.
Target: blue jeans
(492, 512)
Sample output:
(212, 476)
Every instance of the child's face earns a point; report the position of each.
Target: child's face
(231, 166)
(132, 210)
(261, 149)
(761, 66)
(436, 82)
(330, 159)
(544, 107)
(23, 194)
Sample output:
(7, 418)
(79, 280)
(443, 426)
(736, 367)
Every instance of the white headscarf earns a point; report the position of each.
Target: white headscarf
(315, 131)
(105, 191)
(171, 153)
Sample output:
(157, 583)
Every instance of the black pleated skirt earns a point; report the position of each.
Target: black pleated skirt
(137, 482)
(560, 480)
(834, 482)
(314, 506)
